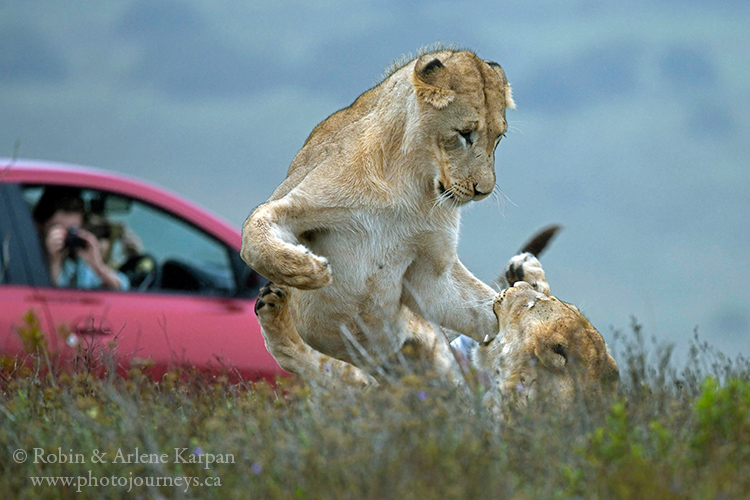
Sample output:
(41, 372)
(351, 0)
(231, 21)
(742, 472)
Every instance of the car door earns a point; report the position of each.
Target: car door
(22, 270)
(190, 299)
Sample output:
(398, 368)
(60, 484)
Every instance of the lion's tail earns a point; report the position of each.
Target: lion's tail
(538, 243)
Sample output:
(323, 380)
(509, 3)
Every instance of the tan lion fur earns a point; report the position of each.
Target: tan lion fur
(360, 238)
(545, 347)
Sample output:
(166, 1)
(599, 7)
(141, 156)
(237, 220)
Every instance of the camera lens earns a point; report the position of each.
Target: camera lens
(73, 241)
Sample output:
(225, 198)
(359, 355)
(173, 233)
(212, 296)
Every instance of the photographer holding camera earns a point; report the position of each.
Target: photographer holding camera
(74, 254)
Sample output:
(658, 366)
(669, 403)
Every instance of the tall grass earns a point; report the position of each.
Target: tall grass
(672, 432)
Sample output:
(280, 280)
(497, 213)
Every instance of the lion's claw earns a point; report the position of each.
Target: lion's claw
(270, 296)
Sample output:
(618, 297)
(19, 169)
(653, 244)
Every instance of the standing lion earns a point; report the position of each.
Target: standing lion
(359, 241)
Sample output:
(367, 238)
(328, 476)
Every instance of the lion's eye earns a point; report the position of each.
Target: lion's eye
(466, 136)
(561, 349)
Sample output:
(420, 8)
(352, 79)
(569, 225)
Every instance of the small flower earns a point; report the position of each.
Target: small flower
(256, 468)
(520, 387)
(198, 451)
(422, 395)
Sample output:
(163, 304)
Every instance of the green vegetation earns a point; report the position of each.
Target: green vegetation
(671, 433)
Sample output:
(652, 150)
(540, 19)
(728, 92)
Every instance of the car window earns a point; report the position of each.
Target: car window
(152, 249)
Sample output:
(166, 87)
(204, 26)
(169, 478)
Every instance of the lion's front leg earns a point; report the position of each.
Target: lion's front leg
(526, 267)
(269, 246)
(453, 298)
(291, 352)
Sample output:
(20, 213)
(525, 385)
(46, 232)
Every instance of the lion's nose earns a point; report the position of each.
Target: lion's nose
(480, 192)
(483, 183)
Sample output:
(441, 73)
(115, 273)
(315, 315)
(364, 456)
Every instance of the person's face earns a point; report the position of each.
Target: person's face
(65, 220)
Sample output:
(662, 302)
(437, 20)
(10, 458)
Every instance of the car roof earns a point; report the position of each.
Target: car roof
(25, 171)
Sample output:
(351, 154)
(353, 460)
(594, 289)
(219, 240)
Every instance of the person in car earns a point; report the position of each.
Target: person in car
(74, 254)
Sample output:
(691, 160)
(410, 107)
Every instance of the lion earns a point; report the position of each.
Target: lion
(359, 241)
(545, 348)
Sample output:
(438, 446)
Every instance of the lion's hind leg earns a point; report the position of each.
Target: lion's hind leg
(425, 351)
(526, 267)
(289, 349)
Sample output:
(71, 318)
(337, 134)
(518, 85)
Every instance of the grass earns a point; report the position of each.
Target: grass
(671, 433)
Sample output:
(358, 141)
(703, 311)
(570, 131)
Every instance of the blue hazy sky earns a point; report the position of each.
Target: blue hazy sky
(631, 127)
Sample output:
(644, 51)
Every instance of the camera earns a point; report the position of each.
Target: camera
(73, 241)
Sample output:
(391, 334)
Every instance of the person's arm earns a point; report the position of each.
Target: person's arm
(54, 243)
(91, 254)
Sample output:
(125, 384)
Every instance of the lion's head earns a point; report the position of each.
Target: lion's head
(545, 346)
(462, 101)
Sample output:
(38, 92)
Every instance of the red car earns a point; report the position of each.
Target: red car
(184, 295)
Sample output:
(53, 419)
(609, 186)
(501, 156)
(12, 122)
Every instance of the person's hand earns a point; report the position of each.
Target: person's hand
(91, 254)
(55, 243)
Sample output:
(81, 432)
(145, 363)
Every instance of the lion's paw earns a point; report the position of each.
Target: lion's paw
(349, 374)
(527, 268)
(271, 299)
(304, 270)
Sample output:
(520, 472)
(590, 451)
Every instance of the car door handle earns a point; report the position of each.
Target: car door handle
(90, 325)
(57, 298)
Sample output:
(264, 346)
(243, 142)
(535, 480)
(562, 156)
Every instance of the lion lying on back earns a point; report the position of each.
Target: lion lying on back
(359, 241)
(544, 346)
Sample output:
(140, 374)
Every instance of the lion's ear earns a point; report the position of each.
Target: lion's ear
(509, 103)
(553, 355)
(430, 80)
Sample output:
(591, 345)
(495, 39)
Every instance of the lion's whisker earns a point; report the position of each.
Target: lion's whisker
(446, 197)
(513, 129)
(501, 200)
